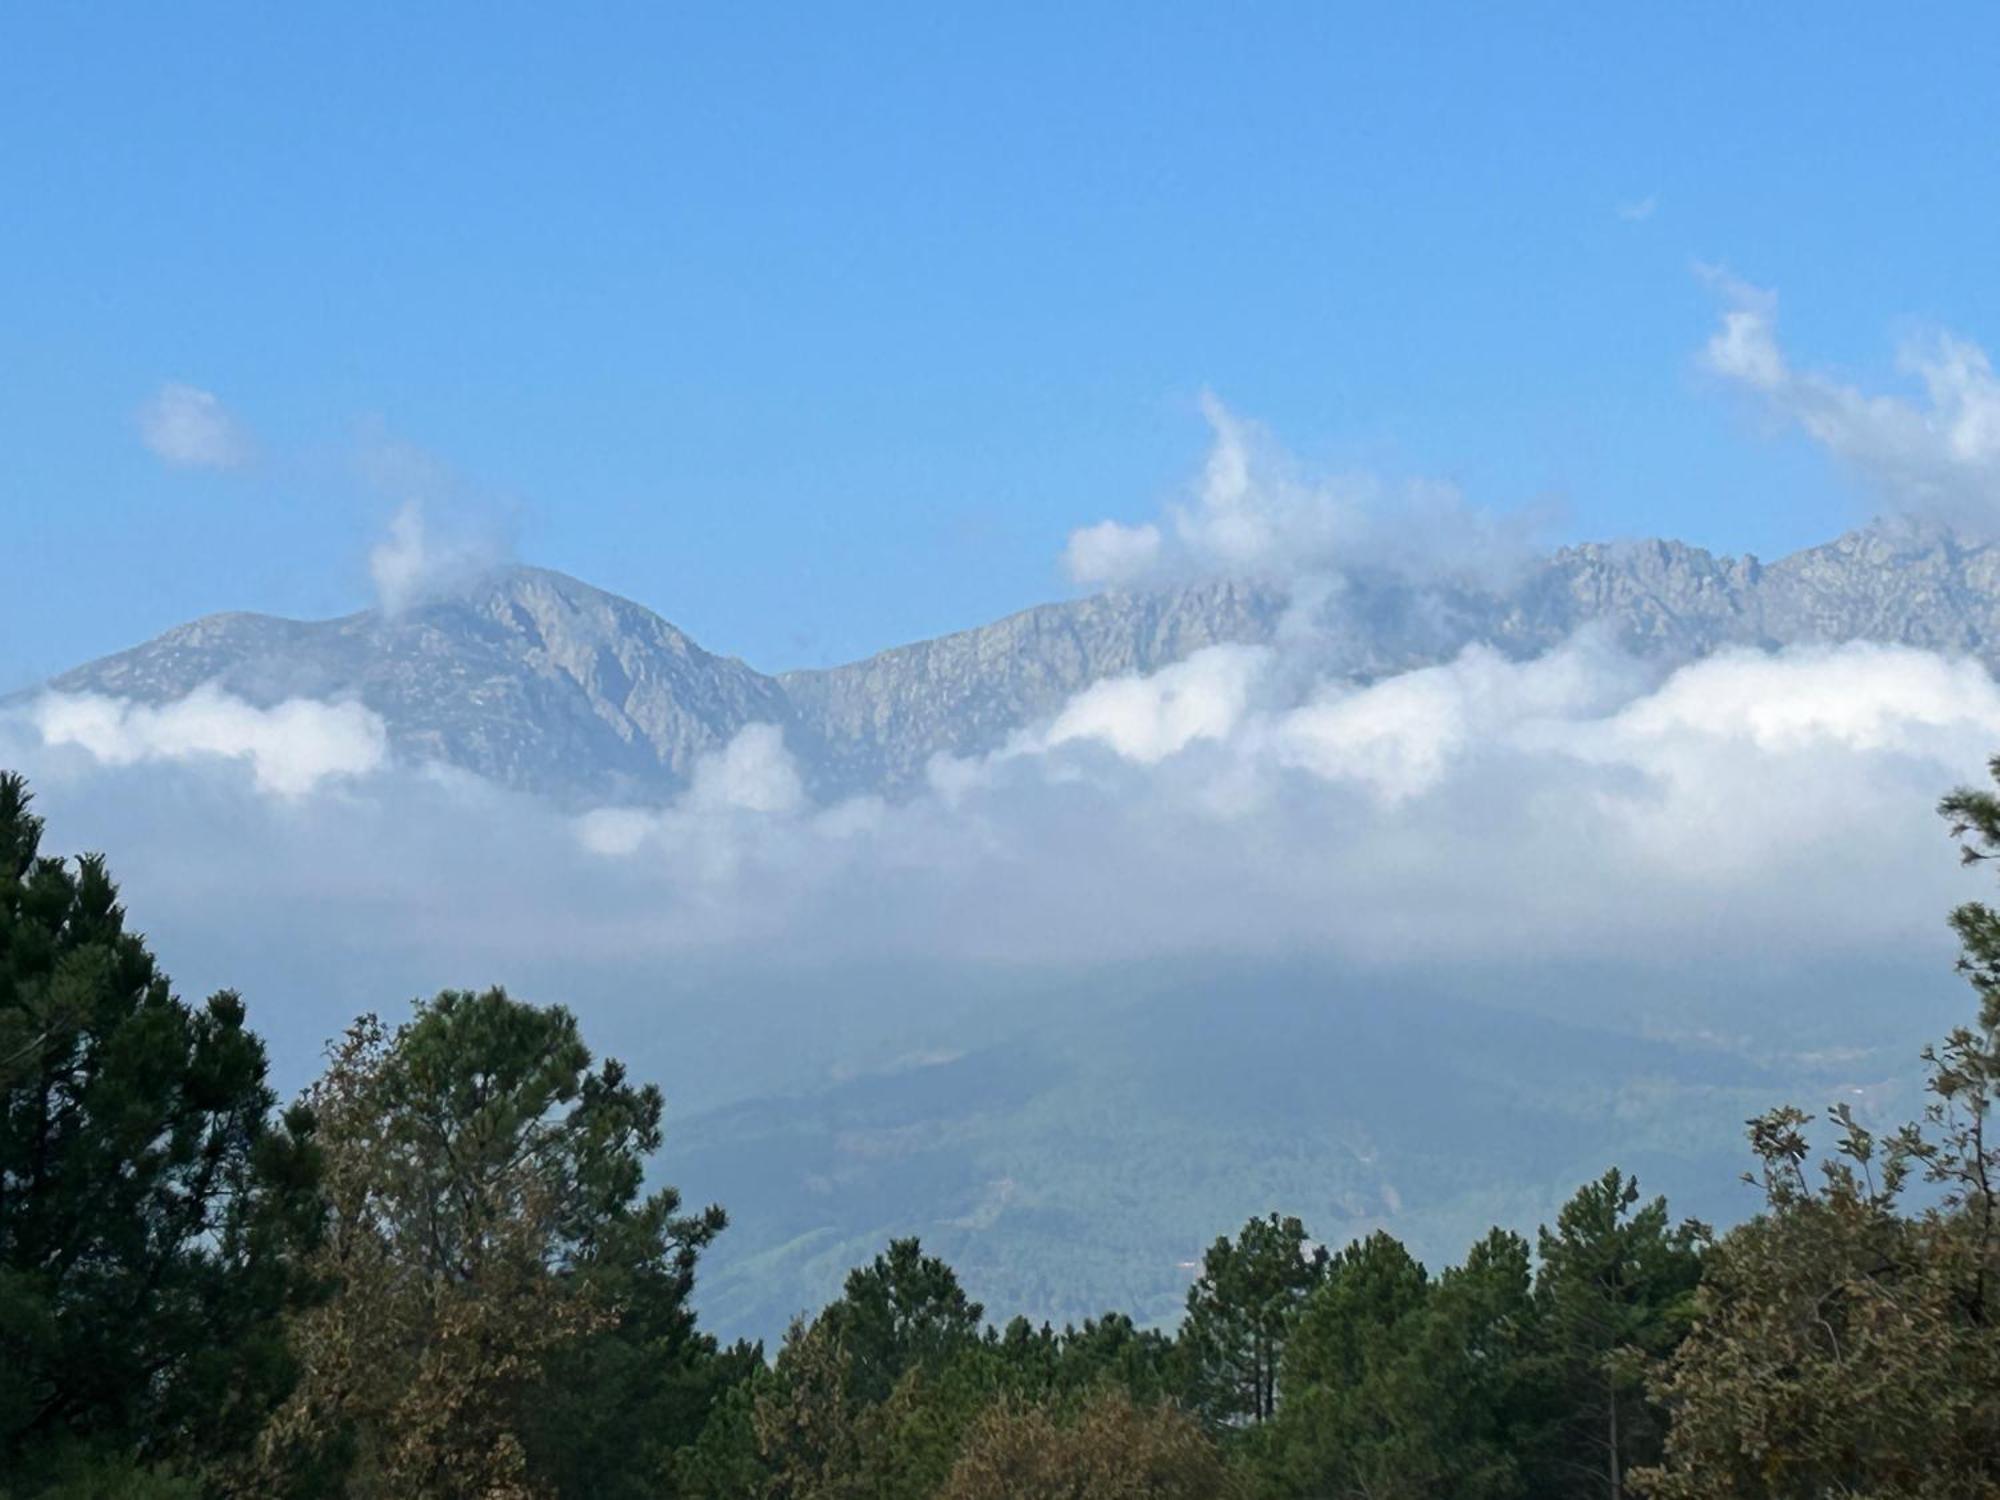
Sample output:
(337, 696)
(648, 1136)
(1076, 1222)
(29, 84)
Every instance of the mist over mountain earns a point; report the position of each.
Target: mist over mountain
(544, 684)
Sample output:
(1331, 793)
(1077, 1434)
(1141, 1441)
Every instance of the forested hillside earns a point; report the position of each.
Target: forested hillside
(445, 1272)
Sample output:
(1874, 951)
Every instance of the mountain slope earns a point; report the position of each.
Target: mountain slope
(528, 677)
(882, 719)
(1084, 1163)
(546, 684)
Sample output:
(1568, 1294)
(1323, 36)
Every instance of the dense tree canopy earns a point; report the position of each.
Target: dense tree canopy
(1113, 1449)
(152, 1208)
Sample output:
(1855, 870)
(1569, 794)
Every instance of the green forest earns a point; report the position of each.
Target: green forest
(445, 1271)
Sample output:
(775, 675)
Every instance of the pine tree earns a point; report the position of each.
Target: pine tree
(1240, 1314)
(489, 1240)
(152, 1210)
(903, 1310)
(1615, 1290)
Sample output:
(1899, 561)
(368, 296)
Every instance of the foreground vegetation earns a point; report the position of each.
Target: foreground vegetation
(441, 1274)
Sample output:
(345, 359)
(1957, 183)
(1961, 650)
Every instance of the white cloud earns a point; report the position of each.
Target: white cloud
(1111, 553)
(1753, 763)
(291, 748)
(1146, 719)
(189, 428)
(1638, 210)
(1940, 455)
(1862, 697)
(752, 773)
(1401, 736)
(416, 560)
(443, 533)
(615, 830)
(1745, 347)
(402, 564)
(1255, 511)
(1570, 805)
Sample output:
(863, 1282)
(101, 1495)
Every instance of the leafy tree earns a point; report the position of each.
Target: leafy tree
(1843, 1345)
(487, 1224)
(877, 1395)
(82, 1473)
(1114, 1449)
(814, 1439)
(1239, 1315)
(618, 1404)
(1032, 1355)
(912, 1440)
(151, 1209)
(1615, 1290)
(1836, 1347)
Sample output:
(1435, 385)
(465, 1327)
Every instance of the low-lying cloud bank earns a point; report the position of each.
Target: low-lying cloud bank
(290, 749)
(1574, 804)
(1581, 804)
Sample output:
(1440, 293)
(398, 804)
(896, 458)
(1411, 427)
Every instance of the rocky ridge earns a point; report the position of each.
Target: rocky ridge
(543, 683)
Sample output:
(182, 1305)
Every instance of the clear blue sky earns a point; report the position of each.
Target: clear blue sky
(818, 327)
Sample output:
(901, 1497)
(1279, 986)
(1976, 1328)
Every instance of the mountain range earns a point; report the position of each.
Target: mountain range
(548, 685)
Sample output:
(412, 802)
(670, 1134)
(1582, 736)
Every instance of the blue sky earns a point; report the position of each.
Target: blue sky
(820, 328)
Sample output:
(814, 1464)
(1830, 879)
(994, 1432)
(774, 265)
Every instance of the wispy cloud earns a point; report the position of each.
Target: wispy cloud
(1939, 454)
(414, 560)
(189, 428)
(1254, 510)
(441, 533)
(1638, 210)
(1111, 553)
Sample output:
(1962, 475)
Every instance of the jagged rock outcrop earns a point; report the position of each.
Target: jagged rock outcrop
(881, 720)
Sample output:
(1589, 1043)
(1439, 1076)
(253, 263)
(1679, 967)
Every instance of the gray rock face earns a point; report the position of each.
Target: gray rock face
(882, 719)
(548, 685)
(529, 677)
